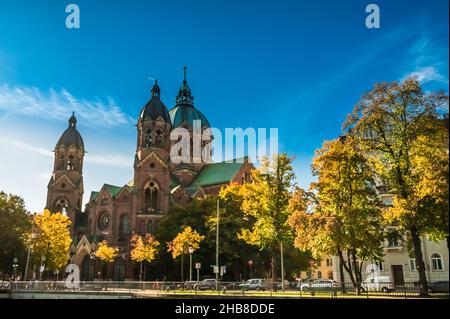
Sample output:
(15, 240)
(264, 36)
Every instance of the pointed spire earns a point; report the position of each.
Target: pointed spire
(156, 90)
(73, 121)
(184, 95)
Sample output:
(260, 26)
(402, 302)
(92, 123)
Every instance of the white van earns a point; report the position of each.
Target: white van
(379, 283)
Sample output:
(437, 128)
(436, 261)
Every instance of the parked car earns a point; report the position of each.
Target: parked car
(253, 284)
(318, 285)
(438, 286)
(190, 284)
(381, 283)
(206, 284)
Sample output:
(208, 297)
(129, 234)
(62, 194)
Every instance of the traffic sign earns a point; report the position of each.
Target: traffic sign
(198, 265)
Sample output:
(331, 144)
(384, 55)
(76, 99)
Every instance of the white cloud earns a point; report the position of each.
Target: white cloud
(426, 74)
(32, 102)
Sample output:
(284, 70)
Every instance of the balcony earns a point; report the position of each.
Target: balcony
(149, 211)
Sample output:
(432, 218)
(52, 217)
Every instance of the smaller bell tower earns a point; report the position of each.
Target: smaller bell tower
(65, 188)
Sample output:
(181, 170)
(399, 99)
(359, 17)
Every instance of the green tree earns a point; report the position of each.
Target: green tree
(341, 214)
(15, 223)
(388, 122)
(266, 200)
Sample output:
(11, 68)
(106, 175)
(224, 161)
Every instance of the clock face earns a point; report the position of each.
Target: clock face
(104, 221)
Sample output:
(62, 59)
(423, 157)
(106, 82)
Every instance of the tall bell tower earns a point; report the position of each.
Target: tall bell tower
(152, 163)
(65, 188)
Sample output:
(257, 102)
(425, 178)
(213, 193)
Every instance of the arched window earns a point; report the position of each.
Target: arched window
(148, 138)
(61, 206)
(150, 228)
(436, 262)
(159, 137)
(70, 164)
(142, 227)
(151, 197)
(124, 227)
(319, 275)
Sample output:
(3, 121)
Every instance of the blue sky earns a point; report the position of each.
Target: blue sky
(299, 66)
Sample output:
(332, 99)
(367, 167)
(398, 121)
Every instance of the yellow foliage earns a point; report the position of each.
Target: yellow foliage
(185, 239)
(143, 249)
(105, 252)
(52, 239)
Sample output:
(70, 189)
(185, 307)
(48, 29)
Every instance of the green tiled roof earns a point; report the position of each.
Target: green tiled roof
(93, 196)
(113, 190)
(217, 173)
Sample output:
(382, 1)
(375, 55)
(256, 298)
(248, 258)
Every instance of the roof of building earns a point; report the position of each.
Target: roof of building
(218, 173)
(71, 136)
(184, 112)
(155, 108)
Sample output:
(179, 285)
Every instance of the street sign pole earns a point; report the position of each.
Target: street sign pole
(217, 247)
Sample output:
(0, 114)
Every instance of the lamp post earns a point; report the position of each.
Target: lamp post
(250, 264)
(41, 269)
(33, 236)
(191, 250)
(15, 265)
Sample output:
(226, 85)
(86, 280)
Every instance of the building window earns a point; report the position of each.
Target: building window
(329, 262)
(148, 138)
(159, 137)
(412, 264)
(436, 262)
(393, 239)
(150, 229)
(104, 201)
(151, 197)
(104, 221)
(379, 265)
(61, 207)
(124, 228)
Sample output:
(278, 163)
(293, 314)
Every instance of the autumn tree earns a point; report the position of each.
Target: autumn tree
(390, 123)
(180, 245)
(15, 223)
(265, 200)
(143, 249)
(340, 215)
(105, 252)
(51, 239)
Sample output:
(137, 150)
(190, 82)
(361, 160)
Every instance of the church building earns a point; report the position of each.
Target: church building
(115, 211)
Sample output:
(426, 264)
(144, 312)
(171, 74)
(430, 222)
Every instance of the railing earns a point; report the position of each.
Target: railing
(291, 290)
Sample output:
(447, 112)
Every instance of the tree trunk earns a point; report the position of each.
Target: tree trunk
(341, 273)
(182, 267)
(423, 283)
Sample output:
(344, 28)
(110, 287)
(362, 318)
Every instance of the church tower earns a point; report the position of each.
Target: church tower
(65, 188)
(185, 115)
(152, 163)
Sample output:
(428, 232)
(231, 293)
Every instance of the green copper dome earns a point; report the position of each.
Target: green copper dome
(184, 111)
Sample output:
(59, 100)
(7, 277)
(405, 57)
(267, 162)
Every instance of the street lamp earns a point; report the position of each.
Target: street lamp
(41, 269)
(191, 250)
(15, 265)
(250, 264)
